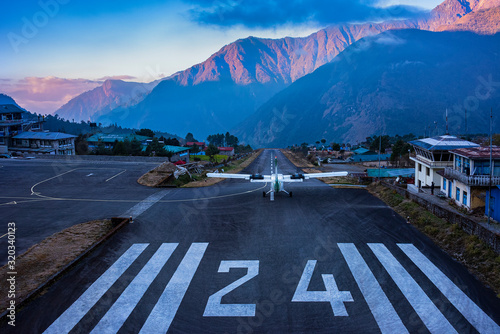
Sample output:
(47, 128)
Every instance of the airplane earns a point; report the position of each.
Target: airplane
(275, 179)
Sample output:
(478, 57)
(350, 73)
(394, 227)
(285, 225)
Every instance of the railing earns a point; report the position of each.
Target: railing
(433, 164)
(471, 180)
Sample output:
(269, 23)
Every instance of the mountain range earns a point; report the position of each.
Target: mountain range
(397, 82)
(229, 87)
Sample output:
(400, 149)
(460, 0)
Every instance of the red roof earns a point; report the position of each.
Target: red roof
(195, 143)
(478, 152)
(180, 162)
(226, 148)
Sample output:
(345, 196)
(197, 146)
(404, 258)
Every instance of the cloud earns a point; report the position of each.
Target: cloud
(47, 94)
(118, 77)
(269, 13)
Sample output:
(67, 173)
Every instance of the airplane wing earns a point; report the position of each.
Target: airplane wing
(301, 177)
(330, 174)
(230, 176)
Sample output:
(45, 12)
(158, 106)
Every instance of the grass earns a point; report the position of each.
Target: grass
(480, 259)
(219, 158)
(43, 260)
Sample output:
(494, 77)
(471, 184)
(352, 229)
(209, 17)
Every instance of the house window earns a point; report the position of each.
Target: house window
(482, 168)
(458, 194)
(496, 168)
(464, 198)
(428, 170)
(444, 184)
(419, 167)
(466, 169)
(458, 163)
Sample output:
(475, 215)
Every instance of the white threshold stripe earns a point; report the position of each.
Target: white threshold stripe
(118, 313)
(433, 319)
(164, 311)
(457, 297)
(386, 317)
(89, 298)
(139, 208)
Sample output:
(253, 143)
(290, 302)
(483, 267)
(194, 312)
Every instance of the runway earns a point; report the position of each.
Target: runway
(223, 259)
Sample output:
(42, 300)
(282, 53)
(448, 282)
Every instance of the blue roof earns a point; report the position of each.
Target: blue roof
(384, 172)
(442, 143)
(360, 150)
(43, 135)
(374, 157)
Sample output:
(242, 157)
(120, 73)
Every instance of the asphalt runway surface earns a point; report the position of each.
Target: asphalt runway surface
(223, 259)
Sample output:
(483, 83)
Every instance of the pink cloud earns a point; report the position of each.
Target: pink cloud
(118, 77)
(45, 95)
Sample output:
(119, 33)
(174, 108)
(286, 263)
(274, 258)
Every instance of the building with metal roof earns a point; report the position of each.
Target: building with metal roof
(433, 155)
(466, 181)
(43, 143)
(14, 121)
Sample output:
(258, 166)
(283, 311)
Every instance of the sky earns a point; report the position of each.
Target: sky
(54, 50)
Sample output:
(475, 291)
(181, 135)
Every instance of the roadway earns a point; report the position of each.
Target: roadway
(223, 259)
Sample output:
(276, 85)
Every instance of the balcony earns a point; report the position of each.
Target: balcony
(471, 180)
(432, 164)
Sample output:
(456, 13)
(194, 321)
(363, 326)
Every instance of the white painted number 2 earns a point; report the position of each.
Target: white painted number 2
(332, 294)
(216, 309)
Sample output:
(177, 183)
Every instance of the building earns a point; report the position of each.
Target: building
(179, 153)
(20, 134)
(468, 179)
(43, 143)
(201, 145)
(109, 140)
(229, 151)
(13, 121)
(431, 156)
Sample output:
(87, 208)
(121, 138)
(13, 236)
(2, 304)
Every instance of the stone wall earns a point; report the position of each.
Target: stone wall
(84, 158)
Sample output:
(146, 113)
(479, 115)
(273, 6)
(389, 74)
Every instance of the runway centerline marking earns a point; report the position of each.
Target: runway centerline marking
(115, 175)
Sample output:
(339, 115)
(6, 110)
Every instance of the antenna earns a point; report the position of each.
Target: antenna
(447, 122)
(466, 123)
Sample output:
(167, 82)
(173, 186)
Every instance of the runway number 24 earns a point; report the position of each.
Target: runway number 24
(332, 294)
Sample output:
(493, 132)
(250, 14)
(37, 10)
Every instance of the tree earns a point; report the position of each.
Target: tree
(377, 142)
(156, 149)
(145, 132)
(211, 151)
(172, 142)
(101, 148)
(195, 149)
(81, 145)
(127, 146)
(119, 148)
(190, 138)
(323, 141)
(135, 147)
(335, 146)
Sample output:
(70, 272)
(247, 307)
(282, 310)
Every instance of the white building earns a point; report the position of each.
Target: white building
(468, 179)
(432, 156)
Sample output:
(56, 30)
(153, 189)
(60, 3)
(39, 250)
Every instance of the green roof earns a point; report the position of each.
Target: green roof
(176, 149)
(111, 138)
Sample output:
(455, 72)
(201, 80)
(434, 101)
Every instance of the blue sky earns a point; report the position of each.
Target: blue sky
(47, 46)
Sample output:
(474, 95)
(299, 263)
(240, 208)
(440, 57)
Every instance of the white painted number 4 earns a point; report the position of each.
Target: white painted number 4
(332, 294)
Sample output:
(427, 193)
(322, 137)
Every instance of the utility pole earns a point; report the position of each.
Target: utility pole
(465, 123)
(491, 165)
(379, 152)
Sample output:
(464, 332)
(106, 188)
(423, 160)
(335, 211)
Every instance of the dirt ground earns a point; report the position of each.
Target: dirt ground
(298, 159)
(237, 167)
(43, 260)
